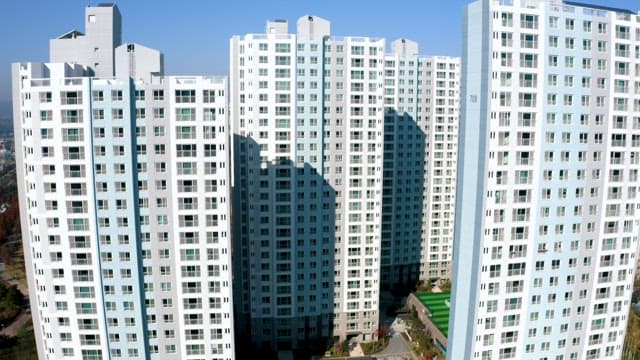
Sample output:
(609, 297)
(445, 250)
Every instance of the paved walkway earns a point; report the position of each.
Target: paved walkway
(398, 349)
(18, 324)
(357, 351)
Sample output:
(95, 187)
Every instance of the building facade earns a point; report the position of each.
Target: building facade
(421, 103)
(358, 144)
(547, 224)
(307, 120)
(125, 208)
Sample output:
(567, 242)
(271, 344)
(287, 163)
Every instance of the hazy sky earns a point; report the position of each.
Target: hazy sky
(194, 35)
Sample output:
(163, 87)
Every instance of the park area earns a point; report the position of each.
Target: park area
(433, 311)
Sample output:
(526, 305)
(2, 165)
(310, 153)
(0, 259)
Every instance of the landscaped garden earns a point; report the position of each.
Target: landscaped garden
(438, 306)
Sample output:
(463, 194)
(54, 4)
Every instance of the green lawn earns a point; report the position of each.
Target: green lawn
(435, 304)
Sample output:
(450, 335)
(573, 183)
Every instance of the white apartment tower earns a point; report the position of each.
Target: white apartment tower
(547, 204)
(307, 120)
(125, 206)
(421, 101)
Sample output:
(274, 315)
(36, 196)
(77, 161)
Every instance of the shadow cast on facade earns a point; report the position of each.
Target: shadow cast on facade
(283, 254)
(403, 202)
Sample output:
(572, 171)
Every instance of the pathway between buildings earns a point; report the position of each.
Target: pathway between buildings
(398, 349)
(18, 324)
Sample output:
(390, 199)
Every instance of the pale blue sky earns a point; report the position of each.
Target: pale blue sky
(194, 35)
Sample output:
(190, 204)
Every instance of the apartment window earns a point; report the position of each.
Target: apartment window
(139, 95)
(506, 39)
(208, 96)
(529, 41)
(45, 97)
(117, 114)
(158, 95)
(528, 21)
(185, 96)
(71, 97)
(569, 24)
(283, 48)
(568, 61)
(116, 95)
(72, 116)
(569, 43)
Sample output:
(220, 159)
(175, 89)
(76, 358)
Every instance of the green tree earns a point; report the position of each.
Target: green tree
(445, 285)
(425, 286)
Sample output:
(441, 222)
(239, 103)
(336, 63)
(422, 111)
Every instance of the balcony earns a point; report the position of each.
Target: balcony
(78, 227)
(624, 35)
(71, 116)
(75, 189)
(188, 222)
(529, 83)
(185, 96)
(599, 310)
(621, 89)
(80, 261)
(527, 102)
(71, 98)
(186, 153)
(529, 24)
(187, 188)
(74, 153)
(73, 137)
(605, 263)
(521, 217)
(622, 70)
(525, 141)
(75, 174)
(191, 273)
(514, 289)
(622, 53)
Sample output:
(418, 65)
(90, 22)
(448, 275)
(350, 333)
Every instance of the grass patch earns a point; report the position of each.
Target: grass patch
(436, 304)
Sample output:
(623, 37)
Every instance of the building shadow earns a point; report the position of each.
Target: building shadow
(405, 161)
(283, 254)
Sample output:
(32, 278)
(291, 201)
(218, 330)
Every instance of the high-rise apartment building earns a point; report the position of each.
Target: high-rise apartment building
(124, 204)
(547, 207)
(421, 102)
(307, 120)
(339, 150)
